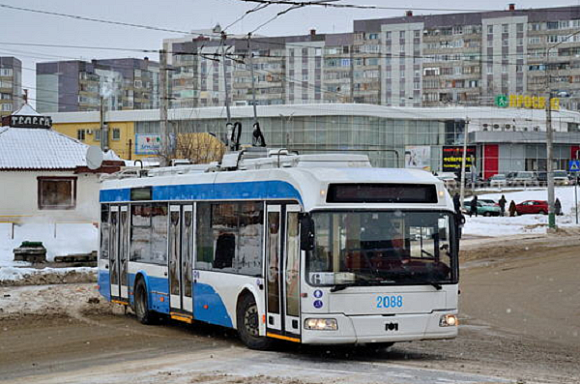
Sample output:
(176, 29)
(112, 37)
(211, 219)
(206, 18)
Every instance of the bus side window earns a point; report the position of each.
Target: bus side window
(225, 250)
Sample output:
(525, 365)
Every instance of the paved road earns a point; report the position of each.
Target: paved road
(519, 323)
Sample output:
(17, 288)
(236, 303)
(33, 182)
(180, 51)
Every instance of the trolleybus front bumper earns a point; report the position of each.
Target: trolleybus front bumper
(369, 329)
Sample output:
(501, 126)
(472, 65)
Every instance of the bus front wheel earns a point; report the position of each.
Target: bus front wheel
(142, 311)
(248, 324)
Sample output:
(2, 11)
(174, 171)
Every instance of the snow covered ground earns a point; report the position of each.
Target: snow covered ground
(64, 239)
(525, 224)
(83, 238)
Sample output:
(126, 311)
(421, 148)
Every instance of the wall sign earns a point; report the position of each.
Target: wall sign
(528, 102)
(453, 155)
(23, 121)
(147, 144)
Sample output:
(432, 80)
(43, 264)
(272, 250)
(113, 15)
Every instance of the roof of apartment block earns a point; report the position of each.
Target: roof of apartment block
(470, 18)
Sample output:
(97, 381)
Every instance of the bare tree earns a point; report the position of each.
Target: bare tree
(199, 148)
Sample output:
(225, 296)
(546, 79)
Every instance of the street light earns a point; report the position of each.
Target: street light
(550, 136)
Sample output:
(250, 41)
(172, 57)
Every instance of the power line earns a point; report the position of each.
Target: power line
(96, 20)
(355, 6)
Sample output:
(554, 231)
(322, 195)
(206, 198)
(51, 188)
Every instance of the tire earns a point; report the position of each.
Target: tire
(141, 306)
(542, 212)
(248, 324)
(487, 214)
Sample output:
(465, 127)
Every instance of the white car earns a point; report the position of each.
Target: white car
(498, 181)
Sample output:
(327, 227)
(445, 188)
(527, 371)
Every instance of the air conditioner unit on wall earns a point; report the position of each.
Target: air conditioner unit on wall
(89, 131)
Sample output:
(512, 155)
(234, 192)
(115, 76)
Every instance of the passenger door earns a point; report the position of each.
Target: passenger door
(282, 272)
(180, 268)
(119, 252)
(292, 271)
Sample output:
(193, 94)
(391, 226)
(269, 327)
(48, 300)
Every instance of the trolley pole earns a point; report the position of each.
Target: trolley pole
(463, 161)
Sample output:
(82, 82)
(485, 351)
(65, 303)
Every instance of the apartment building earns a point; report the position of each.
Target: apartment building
(413, 60)
(469, 58)
(10, 85)
(71, 86)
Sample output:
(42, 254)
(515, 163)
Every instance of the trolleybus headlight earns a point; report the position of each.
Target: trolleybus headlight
(448, 321)
(321, 324)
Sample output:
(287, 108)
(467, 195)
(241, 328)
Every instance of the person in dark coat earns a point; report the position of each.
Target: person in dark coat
(512, 209)
(473, 209)
(501, 203)
(457, 202)
(558, 207)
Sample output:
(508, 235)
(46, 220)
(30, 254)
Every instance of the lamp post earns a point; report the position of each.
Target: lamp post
(550, 136)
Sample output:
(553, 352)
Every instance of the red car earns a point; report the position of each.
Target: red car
(532, 206)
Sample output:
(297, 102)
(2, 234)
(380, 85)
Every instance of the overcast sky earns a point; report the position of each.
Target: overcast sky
(184, 15)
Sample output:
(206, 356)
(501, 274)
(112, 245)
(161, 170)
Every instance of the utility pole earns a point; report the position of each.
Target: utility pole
(550, 136)
(550, 158)
(251, 56)
(104, 126)
(463, 161)
(351, 74)
(163, 107)
(227, 92)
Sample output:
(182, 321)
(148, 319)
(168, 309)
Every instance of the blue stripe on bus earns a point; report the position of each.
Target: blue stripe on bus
(258, 190)
(112, 195)
(208, 306)
(104, 283)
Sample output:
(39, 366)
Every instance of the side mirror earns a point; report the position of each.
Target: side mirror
(306, 232)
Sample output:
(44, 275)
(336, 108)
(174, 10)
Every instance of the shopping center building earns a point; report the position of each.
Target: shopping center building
(500, 140)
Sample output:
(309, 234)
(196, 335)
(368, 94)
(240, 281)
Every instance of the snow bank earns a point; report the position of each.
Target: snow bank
(525, 224)
(62, 239)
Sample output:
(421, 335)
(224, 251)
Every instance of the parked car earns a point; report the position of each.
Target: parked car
(483, 207)
(524, 178)
(542, 177)
(489, 201)
(449, 179)
(532, 207)
(561, 177)
(498, 181)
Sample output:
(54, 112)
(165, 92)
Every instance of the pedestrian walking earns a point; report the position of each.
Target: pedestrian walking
(473, 209)
(512, 209)
(457, 202)
(558, 207)
(501, 203)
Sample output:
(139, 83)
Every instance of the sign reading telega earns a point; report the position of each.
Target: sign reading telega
(529, 102)
(23, 121)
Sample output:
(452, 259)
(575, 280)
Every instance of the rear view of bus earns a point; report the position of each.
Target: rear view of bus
(380, 265)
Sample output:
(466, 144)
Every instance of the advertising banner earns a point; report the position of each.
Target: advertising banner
(147, 144)
(452, 156)
(418, 156)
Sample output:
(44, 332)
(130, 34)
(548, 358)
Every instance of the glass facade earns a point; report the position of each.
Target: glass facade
(383, 139)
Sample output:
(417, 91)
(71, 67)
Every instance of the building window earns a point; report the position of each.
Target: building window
(97, 135)
(116, 134)
(490, 29)
(520, 27)
(7, 107)
(81, 134)
(505, 28)
(57, 192)
(6, 72)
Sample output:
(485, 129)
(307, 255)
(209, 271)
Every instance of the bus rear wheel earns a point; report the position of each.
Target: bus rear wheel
(248, 324)
(141, 307)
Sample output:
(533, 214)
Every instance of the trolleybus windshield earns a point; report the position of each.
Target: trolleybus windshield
(382, 248)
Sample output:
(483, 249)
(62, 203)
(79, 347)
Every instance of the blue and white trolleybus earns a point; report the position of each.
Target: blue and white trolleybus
(314, 249)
